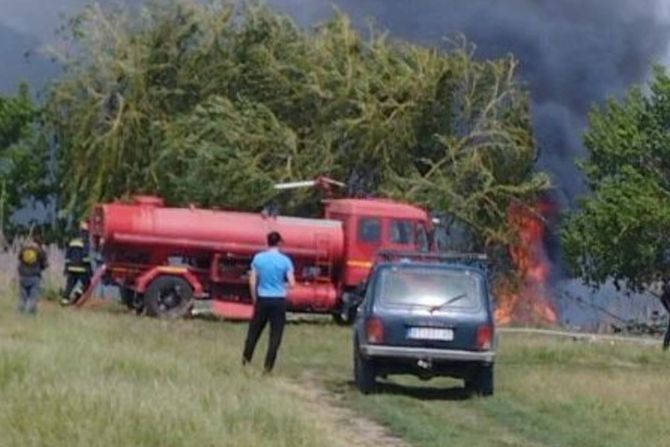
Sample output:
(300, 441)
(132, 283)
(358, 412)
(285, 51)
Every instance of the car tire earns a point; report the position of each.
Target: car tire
(180, 295)
(364, 373)
(481, 383)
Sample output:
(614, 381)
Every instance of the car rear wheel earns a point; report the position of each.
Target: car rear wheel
(481, 382)
(364, 373)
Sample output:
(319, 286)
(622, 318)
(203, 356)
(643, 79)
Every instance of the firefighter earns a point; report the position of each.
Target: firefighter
(32, 262)
(78, 268)
(665, 300)
(271, 274)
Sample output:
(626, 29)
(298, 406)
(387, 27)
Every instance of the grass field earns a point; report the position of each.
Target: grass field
(106, 378)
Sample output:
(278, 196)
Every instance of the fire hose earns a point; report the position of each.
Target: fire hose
(95, 282)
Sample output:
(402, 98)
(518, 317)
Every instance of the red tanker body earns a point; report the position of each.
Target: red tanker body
(162, 258)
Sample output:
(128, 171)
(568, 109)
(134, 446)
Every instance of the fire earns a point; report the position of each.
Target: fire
(530, 301)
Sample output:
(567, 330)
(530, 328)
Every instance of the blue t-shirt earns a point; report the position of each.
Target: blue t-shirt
(272, 269)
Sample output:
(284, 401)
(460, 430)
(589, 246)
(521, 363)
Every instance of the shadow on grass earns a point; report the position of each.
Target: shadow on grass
(310, 320)
(452, 393)
(421, 392)
(292, 320)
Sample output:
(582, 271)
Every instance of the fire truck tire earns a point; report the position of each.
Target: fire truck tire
(127, 297)
(364, 372)
(345, 318)
(168, 297)
(346, 315)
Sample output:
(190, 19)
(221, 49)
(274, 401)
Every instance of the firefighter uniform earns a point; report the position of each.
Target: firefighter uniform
(32, 262)
(78, 269)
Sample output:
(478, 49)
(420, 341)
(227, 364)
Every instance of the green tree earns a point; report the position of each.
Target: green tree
(213, 104)
(621, 231)
(23, 157)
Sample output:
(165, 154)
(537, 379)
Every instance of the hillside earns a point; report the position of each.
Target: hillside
(103, 377)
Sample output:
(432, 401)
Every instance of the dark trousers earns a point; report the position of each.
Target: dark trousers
(72, 280)
(666, 339)
(30, 291)
(272, 310)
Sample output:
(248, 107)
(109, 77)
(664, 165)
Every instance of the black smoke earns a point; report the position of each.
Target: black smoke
(573, 53)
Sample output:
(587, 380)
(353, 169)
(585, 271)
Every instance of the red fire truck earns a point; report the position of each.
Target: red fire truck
(166, 260)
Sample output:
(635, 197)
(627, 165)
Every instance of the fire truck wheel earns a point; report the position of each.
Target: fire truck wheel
(168, 297)
(345, 318)
(346, 315)
(127, 297)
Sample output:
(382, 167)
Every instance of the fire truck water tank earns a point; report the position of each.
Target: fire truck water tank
(147, 224)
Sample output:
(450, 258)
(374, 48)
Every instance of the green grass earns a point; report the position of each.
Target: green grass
(106, 378)
(70, 378)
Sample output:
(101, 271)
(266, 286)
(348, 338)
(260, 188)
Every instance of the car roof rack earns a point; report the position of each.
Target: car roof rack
(478, 260)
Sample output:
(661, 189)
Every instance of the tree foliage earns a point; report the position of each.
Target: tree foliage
(622, 229)
(23, 157)
(212, 104)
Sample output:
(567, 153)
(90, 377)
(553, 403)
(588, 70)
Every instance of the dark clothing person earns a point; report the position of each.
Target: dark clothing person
(271, 271)
(74, 279)
(266, 310)
(665, 300)
(32, 262)
(78, 268)
(30, 292)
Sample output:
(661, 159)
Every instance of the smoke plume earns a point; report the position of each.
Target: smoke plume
(573, 53)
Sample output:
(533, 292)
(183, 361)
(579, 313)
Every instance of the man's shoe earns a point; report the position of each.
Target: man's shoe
(64, 302)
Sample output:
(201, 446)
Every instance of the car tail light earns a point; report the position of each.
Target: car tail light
(375, 330)
(485, 337)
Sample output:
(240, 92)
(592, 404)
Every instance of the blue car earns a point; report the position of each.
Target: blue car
(426, 315)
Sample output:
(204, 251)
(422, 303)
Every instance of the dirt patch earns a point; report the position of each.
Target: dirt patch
(352, 428)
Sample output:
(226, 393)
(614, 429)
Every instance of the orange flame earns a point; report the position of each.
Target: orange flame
(530, 302)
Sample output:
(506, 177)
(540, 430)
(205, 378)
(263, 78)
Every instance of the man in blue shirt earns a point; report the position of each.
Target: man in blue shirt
(271, 275)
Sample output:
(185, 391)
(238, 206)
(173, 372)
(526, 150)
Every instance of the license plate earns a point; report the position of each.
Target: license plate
(430, 333)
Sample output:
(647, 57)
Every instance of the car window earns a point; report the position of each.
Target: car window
(429, 287)
(401, 232)
(370, 230)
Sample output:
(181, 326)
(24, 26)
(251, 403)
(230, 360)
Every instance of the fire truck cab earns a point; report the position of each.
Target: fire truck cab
(372, 224)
